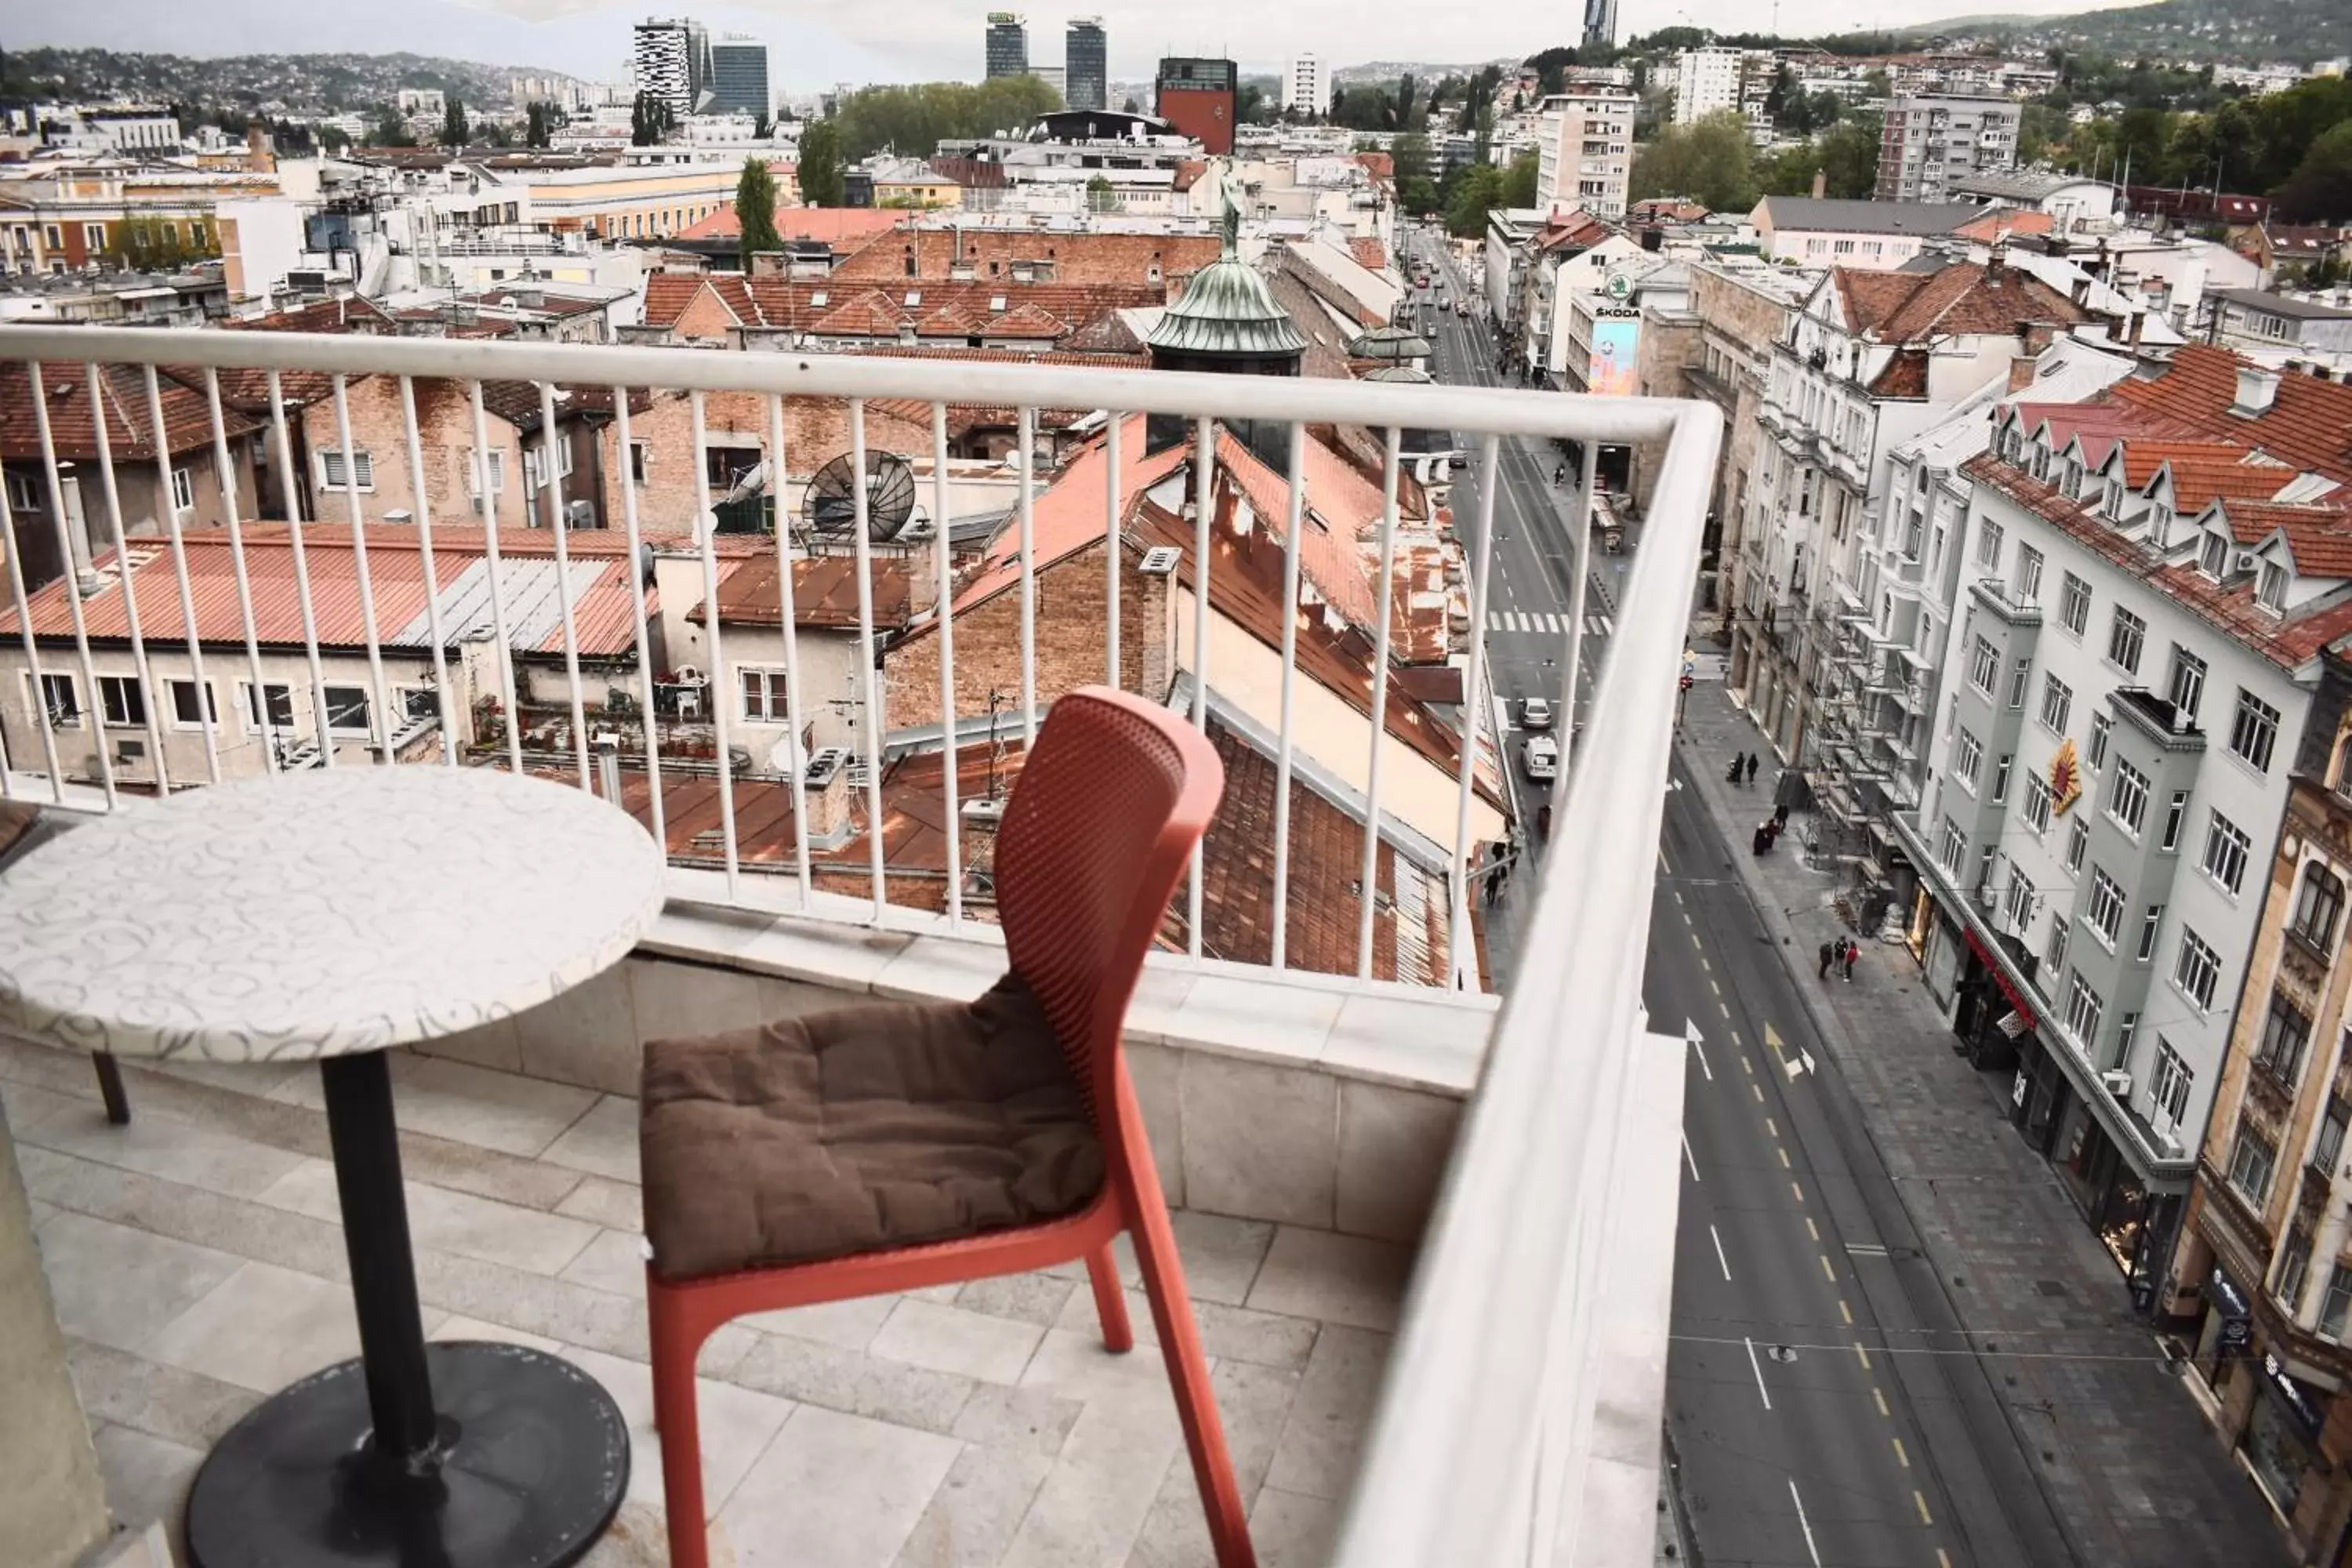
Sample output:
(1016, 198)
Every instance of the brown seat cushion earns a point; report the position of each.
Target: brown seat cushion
(859, 1130)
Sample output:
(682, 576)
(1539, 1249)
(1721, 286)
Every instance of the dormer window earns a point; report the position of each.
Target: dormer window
(2271, 591)
(2041, 462)
(2113, 500)
(2213, 556)
(2074, 485)
(2159, 526)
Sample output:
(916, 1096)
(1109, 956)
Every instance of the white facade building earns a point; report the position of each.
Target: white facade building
(1929, 144)
(1306, 86)
(1585, 156)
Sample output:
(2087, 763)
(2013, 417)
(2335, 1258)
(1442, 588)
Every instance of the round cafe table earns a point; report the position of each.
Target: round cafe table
(326, 915)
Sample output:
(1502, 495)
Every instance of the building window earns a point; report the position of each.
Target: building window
(2285, 1031)
(2271, 590)
(2127, 797)
(2318, 905)
(2054, 960)
(61, 698)
(120, 702)
(1984, 666)
(2333, 1309)
(2019, 901)
(2226, 850)
(190, 711)
(498, 471)
(1955, 845)
(763, 696)
(2197, 970)
(2254, 731)
(640, 458)
(2126, 1031)
(2124, 639)
(2175, 815)
(2001, 778)
(2330, 1142)
(2250, 1163)
(2082, 1012)
(2078, 839)
(2057, 703)
(1988, 542)
(2186, 689)
(347, 710)
(2029, 575)
(2100, 727)
(2074, 605)
(334, 474)
(280, 700)
(183, 490)
(93, 237)
(2105, 911)
(2021, 675)
(2148, 924)
(2036, 806)
(2213, 556)
(2294, 1261)
(1968, 755)
(2169, 1100)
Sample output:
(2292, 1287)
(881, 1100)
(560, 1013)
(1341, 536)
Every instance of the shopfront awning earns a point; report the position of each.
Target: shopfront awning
(2001, 978)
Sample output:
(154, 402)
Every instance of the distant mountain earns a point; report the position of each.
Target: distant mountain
(1388, 71)
(280, 85)
(2244, 31)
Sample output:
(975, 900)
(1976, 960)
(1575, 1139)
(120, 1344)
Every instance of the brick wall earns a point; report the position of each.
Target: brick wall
(445, 427)
(815, 430)
(705, 318)
(1073, 609)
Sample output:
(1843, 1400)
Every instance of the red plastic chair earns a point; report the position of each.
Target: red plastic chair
(1093, 842)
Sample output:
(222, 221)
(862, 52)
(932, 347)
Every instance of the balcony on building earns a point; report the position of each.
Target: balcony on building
(1431, 1251)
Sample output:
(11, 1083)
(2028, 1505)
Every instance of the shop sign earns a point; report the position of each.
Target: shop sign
(2237, 1320)
(2065, 779)
(2293, 1394)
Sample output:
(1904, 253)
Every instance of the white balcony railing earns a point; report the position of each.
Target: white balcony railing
(1487, 1423)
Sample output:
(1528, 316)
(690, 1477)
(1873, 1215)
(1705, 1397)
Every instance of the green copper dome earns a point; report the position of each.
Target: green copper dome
(1226, 308)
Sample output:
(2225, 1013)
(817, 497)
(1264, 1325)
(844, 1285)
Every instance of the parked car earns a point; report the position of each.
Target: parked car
(1535, 713)
(1541, 756)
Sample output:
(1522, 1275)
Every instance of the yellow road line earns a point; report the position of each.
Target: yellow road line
(1828, 1271)
(1920, 1498)
(1880, 1395)
(1863, 1353)
(1901, 1457)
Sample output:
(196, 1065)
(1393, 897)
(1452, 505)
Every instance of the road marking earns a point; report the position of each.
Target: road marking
(1811, 1229)
(1782, 1152)
(1687, 1160)
(1720, 1261)
(1880, 1395)
(1690, 1034)
(1772, 1127)
(1697, 943)
(1722, 1005)
(1678, 892)
(1826, 1269)
(1943, 1558)
(1921, 1498)
(1845, 1311)
(1771, 1039)
(1797, 1189)
(1746, 1066)
(1803, 1523)
(1735, 1040)
(1863, 1353)
(1761, 1390)
(1758, 1090)
(1865, 1249)
(1704, 967)
(1901, 1457)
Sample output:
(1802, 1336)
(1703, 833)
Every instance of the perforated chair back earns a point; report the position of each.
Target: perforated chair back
(1097, 832)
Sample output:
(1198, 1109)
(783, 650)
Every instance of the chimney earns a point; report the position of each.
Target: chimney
(608, 765)
(1820, 183)
(1154, 621)
(2081, 291)
(768, 264)
(86, 579)
(825, 795)
(2021, 371)
(978, 820)
(1995, 265)
(2257, 390)
(2138, 323)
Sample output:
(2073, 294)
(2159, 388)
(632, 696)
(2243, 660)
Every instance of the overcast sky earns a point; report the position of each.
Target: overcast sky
(819, 42)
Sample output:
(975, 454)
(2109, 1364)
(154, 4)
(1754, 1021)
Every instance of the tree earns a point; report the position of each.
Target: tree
(821, 180)
(1478, 192)
(650, 118)
(913, 120)
(538, 124)
(1416, 192)
(1709, 161)
(1519, 182)
(454, 132)
(755, 211)
(390, 130)
(763, 127)
(1849, 153)
(1403, 112)
(2320, 189)
(1102, 197)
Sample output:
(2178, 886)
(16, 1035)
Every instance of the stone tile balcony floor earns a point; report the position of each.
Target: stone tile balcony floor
(197, 1265)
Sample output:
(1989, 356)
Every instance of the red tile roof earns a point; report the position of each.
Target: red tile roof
(1081, 260)
(825, 593)
(1044, 313)
(1368, 252)
(2319, 535)
(841, 227)
(1962, 299)
(2309, 424)
(121, 404)
(2014, 222)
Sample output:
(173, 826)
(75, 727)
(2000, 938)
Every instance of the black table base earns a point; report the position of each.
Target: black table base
(531, 1463)
(415, 1456)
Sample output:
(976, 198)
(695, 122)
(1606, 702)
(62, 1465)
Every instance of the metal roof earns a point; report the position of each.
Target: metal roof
(1832, 214)
(1227, 309)
(2283, 305)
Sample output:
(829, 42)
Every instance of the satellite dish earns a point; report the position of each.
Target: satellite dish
(831, 505)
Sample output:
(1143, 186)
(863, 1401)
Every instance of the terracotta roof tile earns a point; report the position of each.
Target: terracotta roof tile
(121, 404)
(825, 593)
(2309, 424)
(1072, 260)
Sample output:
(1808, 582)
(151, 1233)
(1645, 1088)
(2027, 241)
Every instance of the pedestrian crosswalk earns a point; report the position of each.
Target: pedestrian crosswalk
(1598, 626)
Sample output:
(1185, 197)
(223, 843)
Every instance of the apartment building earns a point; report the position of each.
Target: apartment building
(1928, 144)
(1086, 64)
(1874, 358)
(1718, 80)
(2263, 1277)
(1006, 44)
(672, 62)
(1585, 151)
(2151, 576)
(738, 77)
(1817, 231)
(1306, 86)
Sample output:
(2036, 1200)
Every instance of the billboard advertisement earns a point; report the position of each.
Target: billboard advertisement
(1615, 340)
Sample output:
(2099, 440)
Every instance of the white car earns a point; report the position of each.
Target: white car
(1541, 757)
(1535, 713)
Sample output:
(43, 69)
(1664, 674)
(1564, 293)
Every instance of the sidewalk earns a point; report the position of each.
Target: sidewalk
(2130, 1467)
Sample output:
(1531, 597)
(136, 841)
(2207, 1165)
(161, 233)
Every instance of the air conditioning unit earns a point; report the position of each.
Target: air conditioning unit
(2117, 1083)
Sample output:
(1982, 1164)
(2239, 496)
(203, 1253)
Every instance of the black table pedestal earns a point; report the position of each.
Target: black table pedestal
(415, 1456)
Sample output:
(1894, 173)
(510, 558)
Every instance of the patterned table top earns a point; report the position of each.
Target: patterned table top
(318, 913)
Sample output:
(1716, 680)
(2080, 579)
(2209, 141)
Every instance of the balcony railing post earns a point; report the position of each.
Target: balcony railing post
(626, 456)
(551, 452)
(432, 574)
(1204, 491)
(1294, 524)
(1460, 960)
(1368, 884)
(951, 746)
(380, 712)
(39, 695)
(168, 503)
(870, 717)
(321, 735)
(706, 527)
(151, 712)
(231, 504)
(788, 619)
(489, 480)
(92, 713)
(1572, 662)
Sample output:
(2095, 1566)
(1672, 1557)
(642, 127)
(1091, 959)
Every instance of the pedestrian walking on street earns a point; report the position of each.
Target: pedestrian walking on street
(1780, 816)
(1751, 767)
(1852, 952)
(1829, 952)
(1738, 760)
